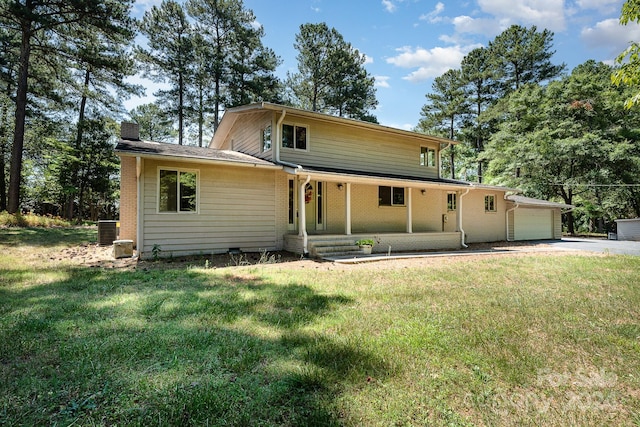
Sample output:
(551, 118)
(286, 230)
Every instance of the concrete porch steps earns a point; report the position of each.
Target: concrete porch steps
(333, 248)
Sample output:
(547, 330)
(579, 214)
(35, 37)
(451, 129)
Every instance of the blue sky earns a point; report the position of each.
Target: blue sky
(409, 42)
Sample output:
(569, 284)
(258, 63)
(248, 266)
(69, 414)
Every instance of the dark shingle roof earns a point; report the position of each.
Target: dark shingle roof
(162, 149)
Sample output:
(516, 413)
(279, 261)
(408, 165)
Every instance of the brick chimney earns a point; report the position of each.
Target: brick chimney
(130, 131)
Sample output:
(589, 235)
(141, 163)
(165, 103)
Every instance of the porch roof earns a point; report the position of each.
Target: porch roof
(377, 178)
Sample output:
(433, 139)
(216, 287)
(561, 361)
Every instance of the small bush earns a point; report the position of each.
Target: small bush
(31, 220)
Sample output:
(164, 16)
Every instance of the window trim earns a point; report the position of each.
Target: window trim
(424, 157)
(179, 171)
(295, 125)
(495, 203)
(392, 204)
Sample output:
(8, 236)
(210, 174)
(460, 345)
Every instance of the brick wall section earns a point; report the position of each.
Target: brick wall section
(128, 199)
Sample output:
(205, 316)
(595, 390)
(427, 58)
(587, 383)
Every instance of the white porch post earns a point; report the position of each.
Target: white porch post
(347, 202)
(409, 212)
(302, 214)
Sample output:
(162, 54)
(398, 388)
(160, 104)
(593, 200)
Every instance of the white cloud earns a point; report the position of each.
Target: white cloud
(433, 16)
(389, 6)
(610, 34)
(316, 9)
(548, 14)
(382, 81)
(606, 6)
(429, 63)
(488, 27)
(367, 59)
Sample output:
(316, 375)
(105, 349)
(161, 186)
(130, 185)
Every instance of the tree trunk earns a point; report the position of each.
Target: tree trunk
(78, 146)
(200, 113)
(452, 153)
(4, 143)
(180, 108)
(15, 172)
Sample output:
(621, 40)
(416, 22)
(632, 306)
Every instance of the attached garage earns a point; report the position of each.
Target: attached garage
(533, 224)
(533, 219)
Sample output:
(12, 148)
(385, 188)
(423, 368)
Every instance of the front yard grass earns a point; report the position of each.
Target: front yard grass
(528, 340)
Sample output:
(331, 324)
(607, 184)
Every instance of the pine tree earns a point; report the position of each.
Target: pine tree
(331, 76)
(168, 56)
(445, 109)
(53, 21)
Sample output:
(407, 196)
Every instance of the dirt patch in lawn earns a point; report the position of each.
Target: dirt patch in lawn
(95, 256)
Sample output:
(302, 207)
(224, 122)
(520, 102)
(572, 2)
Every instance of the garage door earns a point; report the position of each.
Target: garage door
(533, 224)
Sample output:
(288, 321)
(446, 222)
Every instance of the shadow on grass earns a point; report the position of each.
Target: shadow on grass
(45, 237)
(172, 347)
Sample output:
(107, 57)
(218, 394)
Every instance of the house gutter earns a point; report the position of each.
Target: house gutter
(507, 217)
(462, 234)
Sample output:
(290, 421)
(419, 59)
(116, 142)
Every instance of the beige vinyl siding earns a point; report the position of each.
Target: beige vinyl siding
(557, 224)
(368, 216)
(245, 135)
(358, 149)
(236, 209)
(481, 226)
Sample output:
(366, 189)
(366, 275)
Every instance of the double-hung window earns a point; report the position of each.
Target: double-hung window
(390, 196)
(490, 203)
(177, 190)
(427, 157)
(451, 201)
(294, 136)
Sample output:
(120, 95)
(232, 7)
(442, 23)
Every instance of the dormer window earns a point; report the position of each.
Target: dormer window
(294, 136)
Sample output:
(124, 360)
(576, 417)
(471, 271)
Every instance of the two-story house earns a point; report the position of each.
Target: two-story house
(276, 177)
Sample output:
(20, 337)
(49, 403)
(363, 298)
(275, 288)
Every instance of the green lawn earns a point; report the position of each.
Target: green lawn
(526, 340)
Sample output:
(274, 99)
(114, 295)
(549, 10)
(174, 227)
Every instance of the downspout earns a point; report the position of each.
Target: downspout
(507, 218)
(279, 135)
(302, 220)
(302, 217)
(139, 204)
(462, 234)
(449, 144)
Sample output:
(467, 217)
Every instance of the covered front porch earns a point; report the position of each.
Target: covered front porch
(330, 211)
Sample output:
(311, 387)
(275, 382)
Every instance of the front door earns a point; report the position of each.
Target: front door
(314, 197)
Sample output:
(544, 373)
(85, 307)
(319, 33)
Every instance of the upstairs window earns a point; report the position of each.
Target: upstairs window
(266, 138)
(489, 203)
(427, 157)
(294, 137)
(451, 201)
(390, 196)
(177, 191)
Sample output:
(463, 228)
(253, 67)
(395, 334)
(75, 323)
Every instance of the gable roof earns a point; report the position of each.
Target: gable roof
(151, 149)
(230, 115)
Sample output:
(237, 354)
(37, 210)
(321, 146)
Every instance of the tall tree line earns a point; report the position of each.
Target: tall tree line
(211, 55)
(523, 123)
(63, 76)
(57, 55)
